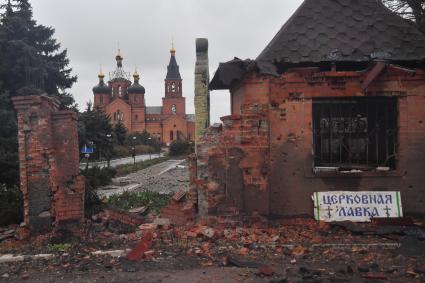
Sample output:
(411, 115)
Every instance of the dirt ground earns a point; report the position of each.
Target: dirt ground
(242, 254)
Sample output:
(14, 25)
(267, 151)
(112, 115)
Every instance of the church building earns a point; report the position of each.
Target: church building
(124, 102)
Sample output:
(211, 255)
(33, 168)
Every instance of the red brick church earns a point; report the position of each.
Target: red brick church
(124, 102)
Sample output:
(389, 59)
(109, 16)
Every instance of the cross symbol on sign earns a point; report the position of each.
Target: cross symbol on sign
(387, 209)
(329, 209)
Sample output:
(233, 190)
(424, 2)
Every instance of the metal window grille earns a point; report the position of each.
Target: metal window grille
(355, 132)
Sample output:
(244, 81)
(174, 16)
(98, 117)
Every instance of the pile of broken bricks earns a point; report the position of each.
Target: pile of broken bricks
(296, 244)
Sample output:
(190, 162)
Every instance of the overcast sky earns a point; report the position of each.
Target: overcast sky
(92, 29)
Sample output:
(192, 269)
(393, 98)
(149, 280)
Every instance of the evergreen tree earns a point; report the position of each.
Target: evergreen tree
(94, 127)
(30, 63)
(120, 133)
(9, 166)
(31, 57)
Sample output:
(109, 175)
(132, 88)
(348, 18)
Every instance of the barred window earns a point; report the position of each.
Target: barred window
(355, 133)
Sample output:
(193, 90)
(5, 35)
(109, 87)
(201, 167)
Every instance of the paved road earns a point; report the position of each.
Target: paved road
(121, 161)
(165, 177)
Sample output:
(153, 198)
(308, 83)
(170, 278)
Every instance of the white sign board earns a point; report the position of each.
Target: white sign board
(356, 206)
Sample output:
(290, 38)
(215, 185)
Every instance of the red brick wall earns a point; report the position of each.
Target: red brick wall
(292, 181)
(136, 99)
(53, 189)
(101, 100)
(180, 103)
(190, 131)
(154, 128)
(174, 123)
(124, 107)
(137, 119)
(262, 159)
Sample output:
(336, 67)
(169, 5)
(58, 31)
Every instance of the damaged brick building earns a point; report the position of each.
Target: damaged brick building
(50, 180)
(336, 101)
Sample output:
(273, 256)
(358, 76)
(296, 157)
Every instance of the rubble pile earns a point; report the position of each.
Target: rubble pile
(285, 250)
(293, 250)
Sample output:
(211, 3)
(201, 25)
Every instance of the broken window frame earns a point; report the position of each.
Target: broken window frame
(355, 133)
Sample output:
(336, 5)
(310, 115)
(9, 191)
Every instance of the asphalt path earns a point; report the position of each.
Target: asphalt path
(165, 177)
(121, 161)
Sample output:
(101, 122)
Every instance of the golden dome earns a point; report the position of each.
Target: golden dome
(172, 50)
(101, 74)
(136, 74)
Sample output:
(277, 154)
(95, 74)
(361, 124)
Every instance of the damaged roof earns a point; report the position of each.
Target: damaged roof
(345, 30)
(234, 70)
(325, 31)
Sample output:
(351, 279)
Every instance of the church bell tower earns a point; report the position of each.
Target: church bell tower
(173, 102)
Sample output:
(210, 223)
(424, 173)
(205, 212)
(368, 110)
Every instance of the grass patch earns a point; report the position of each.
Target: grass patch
(59, 248)
(125, 169)
(128, 200)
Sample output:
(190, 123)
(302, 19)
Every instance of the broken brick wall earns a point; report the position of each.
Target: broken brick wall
(232, 167)
(292, 178)
(52, 187)
(261, 160)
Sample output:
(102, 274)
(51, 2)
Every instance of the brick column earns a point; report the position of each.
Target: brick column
(49, 165)
(202, 94)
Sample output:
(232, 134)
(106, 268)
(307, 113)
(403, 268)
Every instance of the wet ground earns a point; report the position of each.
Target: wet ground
(166, 177)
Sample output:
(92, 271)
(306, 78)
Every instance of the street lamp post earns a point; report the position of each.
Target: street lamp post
(108, 156)
(92, 146)
(134, 151)
(87, 156)
(150, 149)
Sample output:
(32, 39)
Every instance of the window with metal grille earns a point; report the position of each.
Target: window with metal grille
(355, 133)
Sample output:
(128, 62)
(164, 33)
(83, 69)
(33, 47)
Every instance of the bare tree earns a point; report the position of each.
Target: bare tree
(413, 10)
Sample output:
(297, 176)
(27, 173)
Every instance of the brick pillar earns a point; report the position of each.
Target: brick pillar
(202, 94)
(51, 185)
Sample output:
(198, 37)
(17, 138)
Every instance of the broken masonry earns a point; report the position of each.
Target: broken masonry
(50, 180)
(317, 111)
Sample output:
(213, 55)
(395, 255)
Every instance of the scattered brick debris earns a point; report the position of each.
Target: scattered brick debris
(139, 251)
(178, 196)
(266, 270)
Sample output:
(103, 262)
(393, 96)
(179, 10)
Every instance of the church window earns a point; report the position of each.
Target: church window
(118, 116)
(173, 109)
(171, 135)
(135, 98)
(355, 132)
(101, 99)
(173, 87)
(136, 117)
(120, 91)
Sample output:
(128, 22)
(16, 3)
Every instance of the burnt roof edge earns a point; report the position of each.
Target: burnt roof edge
(233, 71)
